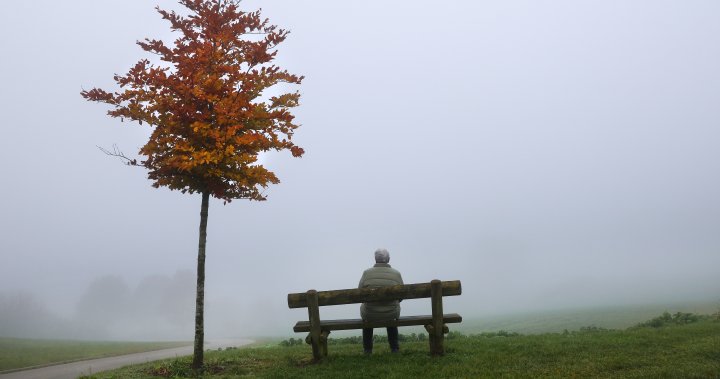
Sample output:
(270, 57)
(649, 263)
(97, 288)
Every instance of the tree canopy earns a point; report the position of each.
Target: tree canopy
(206, 104)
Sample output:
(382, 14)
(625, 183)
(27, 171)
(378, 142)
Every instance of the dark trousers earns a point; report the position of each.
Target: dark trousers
(392, 333)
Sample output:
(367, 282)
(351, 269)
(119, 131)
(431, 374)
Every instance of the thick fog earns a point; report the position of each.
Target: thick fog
(555, 154)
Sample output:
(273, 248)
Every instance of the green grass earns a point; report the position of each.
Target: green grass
(669, 351)
(18, 353)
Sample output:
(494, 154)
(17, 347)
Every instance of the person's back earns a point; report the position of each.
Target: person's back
(380, 275)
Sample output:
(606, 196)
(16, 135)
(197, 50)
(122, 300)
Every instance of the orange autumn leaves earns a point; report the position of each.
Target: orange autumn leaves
(205, 102)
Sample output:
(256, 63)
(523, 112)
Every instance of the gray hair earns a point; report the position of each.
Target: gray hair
(382, 256)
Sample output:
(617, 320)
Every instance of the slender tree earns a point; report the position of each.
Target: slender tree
(205, 101)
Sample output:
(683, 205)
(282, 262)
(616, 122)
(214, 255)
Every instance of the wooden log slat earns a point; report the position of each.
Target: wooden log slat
(364, 295)
(348, 324)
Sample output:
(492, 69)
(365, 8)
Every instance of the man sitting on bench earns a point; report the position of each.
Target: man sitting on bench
(380, 275)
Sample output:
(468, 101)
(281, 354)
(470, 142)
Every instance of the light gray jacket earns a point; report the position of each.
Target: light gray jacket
(380, 275)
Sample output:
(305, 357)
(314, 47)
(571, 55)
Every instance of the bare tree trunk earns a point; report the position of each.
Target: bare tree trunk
(197, 363)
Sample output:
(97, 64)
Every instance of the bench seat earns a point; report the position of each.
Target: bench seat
(347, 324)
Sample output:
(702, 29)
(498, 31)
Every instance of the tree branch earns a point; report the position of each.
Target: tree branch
(117, 153)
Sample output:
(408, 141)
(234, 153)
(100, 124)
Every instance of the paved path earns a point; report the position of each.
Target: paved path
(75, 369)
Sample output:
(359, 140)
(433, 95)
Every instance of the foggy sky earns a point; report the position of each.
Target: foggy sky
(547, 154)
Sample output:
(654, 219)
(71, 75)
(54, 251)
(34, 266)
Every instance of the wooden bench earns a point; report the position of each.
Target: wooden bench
(318, 329)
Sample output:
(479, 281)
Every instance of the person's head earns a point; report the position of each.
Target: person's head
(382, 256)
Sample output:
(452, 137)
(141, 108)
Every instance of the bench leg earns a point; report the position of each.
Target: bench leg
(315, 332)
(437, 327)
(437, 340)
(324, 342)
(318, 349)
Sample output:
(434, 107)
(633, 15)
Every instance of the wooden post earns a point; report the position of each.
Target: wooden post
(436, 332)
(314, 317)
(324, 342)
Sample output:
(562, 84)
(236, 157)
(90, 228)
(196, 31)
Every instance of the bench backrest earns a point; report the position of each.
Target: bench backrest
(364, 295)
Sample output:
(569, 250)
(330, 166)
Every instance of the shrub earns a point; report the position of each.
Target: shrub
(500, 333)
(593, 329)
(291, 342)
(666, 319)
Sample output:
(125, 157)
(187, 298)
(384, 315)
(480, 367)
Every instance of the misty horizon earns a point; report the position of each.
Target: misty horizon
(161, 308)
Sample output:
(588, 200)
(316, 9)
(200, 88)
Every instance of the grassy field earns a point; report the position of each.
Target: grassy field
(665, 349)
(18, 353)
(551, 321)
